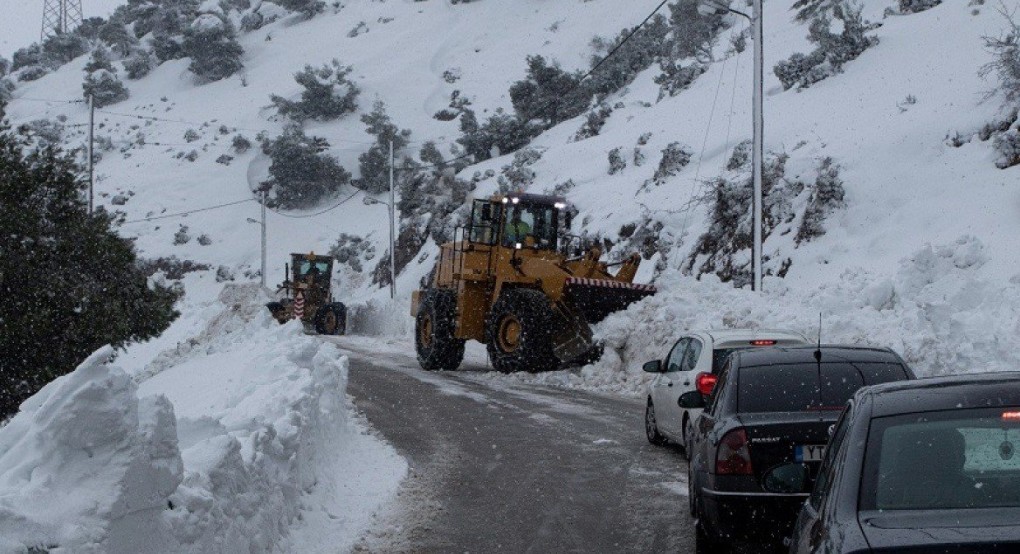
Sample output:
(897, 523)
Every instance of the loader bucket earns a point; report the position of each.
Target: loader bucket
(595, 299)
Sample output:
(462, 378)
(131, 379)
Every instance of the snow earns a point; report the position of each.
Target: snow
(921, 259)
(241, 441)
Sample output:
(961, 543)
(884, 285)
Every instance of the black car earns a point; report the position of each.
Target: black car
(770, 408)
(921, 467)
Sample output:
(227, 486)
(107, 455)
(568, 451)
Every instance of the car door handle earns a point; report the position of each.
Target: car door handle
(669, 383)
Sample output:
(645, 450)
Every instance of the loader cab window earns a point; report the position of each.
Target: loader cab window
(531, 225)
(484, 222)
(318, 270)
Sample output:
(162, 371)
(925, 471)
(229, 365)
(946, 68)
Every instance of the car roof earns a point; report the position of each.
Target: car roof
(720, 337)
(806, 354)
(974, 390)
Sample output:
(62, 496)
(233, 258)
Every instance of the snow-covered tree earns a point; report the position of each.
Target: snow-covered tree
(616, 161)
(548, 94)
(834, 47)
(5, 66)
(1006, 63)
(212, 45)
(914, 6)
(63, 47)
(302, 174)
(328, 93)
(117, 37)
(100, 59)
(139, 64)
(101, 81)
(307, 7)
(83, 288)
(501, 134)
(374, 164)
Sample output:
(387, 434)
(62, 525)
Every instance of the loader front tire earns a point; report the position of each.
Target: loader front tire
(331, 319)
(519, 332)
(437, 345)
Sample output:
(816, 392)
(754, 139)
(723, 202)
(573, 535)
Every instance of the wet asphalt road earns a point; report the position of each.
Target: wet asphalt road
(497, 466)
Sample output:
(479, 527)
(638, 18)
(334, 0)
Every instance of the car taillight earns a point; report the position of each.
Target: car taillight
(705, 382)
(763, 342)
(734, 454)
(1011, 416)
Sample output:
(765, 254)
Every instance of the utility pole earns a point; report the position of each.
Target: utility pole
(393, 244)
(759, 132)
(706, 7)
(262, 272)
(59, 17)
(92, 120)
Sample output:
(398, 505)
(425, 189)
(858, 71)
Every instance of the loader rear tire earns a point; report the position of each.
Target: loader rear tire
(435, 324)
(519, 332)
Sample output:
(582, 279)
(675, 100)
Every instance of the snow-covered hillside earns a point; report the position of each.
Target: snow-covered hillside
(897, 128)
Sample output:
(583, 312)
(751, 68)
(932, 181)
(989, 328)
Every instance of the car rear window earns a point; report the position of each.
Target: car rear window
(719, 358)
(808, 386)
(955, 459)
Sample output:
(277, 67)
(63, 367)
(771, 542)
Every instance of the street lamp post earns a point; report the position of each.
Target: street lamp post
(758, 149)
(262, 272)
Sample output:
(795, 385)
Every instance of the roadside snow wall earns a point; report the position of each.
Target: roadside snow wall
(940, 311)
(96, 463)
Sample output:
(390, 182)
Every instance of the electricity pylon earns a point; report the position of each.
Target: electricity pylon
(60, 16)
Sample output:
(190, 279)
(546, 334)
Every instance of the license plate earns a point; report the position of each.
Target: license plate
(809, 453)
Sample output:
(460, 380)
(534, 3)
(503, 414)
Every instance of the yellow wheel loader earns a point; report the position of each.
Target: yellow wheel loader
(308, 295)
(516, 280)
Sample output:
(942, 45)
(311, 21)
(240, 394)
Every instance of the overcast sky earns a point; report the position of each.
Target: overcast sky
(22, 20)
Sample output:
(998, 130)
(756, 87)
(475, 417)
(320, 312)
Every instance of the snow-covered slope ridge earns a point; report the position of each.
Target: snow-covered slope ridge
(222, 447)
(884, 121)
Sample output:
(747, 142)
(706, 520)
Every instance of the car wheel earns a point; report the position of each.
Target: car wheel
(686, 439)
(690, 491)
(704, 542)
(651, 427)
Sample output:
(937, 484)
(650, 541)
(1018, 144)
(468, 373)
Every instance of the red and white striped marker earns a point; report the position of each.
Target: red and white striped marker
(299, 306)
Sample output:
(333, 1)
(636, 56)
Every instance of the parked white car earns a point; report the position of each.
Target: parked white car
(694, 363)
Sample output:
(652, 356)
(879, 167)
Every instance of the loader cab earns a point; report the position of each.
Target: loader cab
(317, 269)
(520, 221)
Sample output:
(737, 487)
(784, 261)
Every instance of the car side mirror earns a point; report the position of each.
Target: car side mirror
(654, 366)
(790, 478)
(691, 400)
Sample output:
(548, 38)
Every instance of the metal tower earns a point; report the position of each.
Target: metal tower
(60, 16)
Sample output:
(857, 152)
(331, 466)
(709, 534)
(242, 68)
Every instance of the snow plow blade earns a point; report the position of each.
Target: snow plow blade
(595, 299)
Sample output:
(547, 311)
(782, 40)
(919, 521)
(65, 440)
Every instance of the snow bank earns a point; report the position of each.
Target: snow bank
(87, 466)
(97, 463)
(941, 310)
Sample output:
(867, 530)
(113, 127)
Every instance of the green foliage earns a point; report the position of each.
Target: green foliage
(301, 174)
(833, 50)
(70, 284)
(307, 7)
(501, 134)
(374, 165)
(212, 45)
(328, 93)
(549, 95)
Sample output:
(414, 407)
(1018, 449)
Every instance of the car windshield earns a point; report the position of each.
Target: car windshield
(808, 386)
(958, 459)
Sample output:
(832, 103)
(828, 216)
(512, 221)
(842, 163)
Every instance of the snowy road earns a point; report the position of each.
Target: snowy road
(501, 466)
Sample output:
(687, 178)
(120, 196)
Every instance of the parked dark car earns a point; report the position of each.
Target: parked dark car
(770, 408)
(928, 466)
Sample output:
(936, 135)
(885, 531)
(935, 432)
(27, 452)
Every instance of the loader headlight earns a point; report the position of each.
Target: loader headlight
(518, 246)
(560, 205)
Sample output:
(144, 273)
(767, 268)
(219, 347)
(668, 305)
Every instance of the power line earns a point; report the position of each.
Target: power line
(180, 214)
(331, 208)
(49, 100)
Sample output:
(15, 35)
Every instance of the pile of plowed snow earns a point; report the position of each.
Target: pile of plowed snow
(941, 310)
(230, 443)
